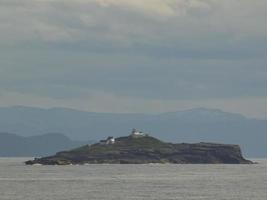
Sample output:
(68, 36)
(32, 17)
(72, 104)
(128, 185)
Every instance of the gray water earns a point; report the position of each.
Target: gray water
(155, 181)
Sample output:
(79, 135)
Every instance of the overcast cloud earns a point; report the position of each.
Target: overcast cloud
(134, 56)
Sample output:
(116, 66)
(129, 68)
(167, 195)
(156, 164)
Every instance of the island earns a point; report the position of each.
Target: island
(141, 148)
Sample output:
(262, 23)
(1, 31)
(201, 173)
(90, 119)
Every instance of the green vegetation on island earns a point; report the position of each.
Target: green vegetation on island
(139, 148)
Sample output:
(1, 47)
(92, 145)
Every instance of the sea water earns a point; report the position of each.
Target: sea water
(125, 182)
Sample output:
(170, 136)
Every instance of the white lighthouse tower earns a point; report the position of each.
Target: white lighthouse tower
(137, 133)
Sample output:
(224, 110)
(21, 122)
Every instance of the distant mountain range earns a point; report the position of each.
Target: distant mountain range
(42, 145)
(195, 125)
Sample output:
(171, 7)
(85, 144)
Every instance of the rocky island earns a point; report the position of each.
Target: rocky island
(140, 148)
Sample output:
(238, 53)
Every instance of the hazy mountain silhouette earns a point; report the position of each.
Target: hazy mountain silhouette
(42, 145)
(195, 125)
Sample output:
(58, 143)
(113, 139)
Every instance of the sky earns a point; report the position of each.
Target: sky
(141, 56)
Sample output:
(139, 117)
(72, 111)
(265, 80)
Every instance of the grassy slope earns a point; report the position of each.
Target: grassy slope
(126, 143)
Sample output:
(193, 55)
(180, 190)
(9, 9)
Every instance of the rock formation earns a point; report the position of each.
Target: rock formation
(146, 149)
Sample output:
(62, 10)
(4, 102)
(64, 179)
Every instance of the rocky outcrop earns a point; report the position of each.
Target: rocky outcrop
(143, 150)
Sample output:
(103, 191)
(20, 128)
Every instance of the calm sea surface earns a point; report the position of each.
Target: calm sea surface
(101, 182)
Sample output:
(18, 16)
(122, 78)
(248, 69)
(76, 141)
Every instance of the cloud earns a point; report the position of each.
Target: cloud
(169, 24)
(65, 75)
(154, 50)
(150, 7)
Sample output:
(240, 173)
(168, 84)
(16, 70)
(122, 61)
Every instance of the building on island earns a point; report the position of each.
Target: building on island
(109, 140)
(137, 133)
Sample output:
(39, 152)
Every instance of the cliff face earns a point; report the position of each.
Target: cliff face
(143, 150)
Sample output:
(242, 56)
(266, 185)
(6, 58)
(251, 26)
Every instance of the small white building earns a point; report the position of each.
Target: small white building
(109, 140)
